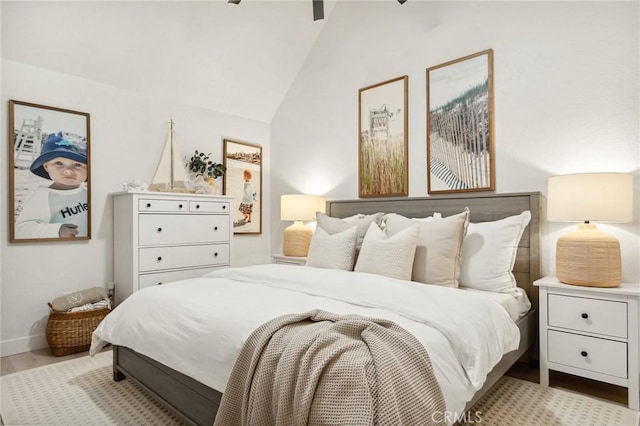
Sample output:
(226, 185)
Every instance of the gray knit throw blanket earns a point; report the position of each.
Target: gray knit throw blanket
(322, 368)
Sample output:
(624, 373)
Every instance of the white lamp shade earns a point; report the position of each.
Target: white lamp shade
(300, 207)
(601, 197)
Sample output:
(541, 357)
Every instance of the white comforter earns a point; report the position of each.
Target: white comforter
(198, 326)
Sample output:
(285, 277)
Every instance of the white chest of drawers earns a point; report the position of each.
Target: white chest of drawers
(164, 237)
(591, 332)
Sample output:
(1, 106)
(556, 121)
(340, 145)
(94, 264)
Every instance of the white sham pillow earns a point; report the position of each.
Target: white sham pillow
(334, 225)
(489, 252)
(335, 251)
(388, 256)
(439, 249)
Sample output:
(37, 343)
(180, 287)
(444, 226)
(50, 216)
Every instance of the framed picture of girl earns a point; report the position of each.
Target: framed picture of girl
(49, 173)
(243, 181)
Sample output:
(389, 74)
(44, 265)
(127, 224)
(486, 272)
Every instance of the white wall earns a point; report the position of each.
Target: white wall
(566, 96)
(127, 135)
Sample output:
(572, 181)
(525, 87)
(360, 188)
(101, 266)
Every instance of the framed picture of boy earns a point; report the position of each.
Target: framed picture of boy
(243, 181)
(49, 174)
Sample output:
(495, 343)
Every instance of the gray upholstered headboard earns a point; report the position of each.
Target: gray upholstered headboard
(483, 208)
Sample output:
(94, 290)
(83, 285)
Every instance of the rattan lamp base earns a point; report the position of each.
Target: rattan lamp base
(588, 257)
(296, 240)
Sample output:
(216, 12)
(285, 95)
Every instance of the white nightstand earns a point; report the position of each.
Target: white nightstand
(288, 260)
(591, 332)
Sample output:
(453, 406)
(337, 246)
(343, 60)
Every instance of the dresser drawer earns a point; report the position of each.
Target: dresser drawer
(159, 258)
(157, 229)
(156, 278)
(155, 205)
(208, 207)
(588, 353)
(604, 317)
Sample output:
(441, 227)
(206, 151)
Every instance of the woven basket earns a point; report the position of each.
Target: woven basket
(70, 332)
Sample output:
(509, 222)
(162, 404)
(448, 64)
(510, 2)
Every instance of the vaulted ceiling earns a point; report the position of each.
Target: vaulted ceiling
(239, 59)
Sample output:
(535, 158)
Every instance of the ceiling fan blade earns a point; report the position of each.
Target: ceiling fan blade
(318, 10)
(234, 1)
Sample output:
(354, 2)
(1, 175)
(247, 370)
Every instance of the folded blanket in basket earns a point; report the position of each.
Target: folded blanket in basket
(323, 368)
(82, 297)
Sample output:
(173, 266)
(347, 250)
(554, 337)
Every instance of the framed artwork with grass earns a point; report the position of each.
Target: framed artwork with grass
(49, 174)
(460, 148)
(383, 146)
(243, 181)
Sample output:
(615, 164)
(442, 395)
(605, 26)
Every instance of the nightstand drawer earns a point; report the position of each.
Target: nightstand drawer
(588, 353)
(604, 317)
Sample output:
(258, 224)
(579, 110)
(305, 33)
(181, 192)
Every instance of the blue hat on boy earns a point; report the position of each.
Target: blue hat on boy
(60, 145)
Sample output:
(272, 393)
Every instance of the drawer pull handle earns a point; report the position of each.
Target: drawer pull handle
(159, 258)
(585, 316)
(179, 206)
(197, 206)
(159, 229)
(224, 207)
(159, 283)
(215, 228)
(215, 254)
(584, 353)
(148, 205)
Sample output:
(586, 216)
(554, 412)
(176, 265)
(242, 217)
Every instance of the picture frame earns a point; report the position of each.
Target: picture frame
(383, 159)
(243, 181)
(49, 173)
(460, 125)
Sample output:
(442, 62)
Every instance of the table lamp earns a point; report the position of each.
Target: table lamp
(588, 256)
(298, 208)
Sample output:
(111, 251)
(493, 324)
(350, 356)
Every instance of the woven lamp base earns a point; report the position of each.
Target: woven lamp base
(588, 257)
(296, 240)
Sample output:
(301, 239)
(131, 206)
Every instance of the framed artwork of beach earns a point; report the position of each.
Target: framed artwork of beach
(460, 147)
(383, 139)
(49, 174)
(243, 181)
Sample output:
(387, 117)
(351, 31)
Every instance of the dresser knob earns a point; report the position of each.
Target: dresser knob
(159, 283)
(148, 205)
(159, 229)
(215, 254)
(197, 206)
(179, 206)
(159, 258)
(584, 353)
(585, 316)
(224, 207)
(215, 228)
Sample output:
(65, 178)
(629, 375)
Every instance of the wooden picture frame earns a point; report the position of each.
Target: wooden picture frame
(460, 135)
(383, 160)
(243, 181)
(49, 173)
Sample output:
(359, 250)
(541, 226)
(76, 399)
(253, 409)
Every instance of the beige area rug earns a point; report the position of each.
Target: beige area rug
(82, 392)
(518, 402)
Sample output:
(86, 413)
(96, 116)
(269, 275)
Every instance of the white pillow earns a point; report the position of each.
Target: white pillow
(389, 256)
(333, 225)
(489, 253)
(438, 253)
(335, 251)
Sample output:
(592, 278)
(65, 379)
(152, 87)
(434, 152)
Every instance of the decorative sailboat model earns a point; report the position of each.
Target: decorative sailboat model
(170, 175)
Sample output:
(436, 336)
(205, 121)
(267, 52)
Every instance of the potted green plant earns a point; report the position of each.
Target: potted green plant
(200, 164)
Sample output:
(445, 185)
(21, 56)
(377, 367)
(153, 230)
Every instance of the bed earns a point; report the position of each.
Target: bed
(197, 402)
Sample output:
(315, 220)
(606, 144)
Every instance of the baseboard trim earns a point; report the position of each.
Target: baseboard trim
(23, 344)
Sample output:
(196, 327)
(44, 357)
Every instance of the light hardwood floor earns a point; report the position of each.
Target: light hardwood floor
(19, 362)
